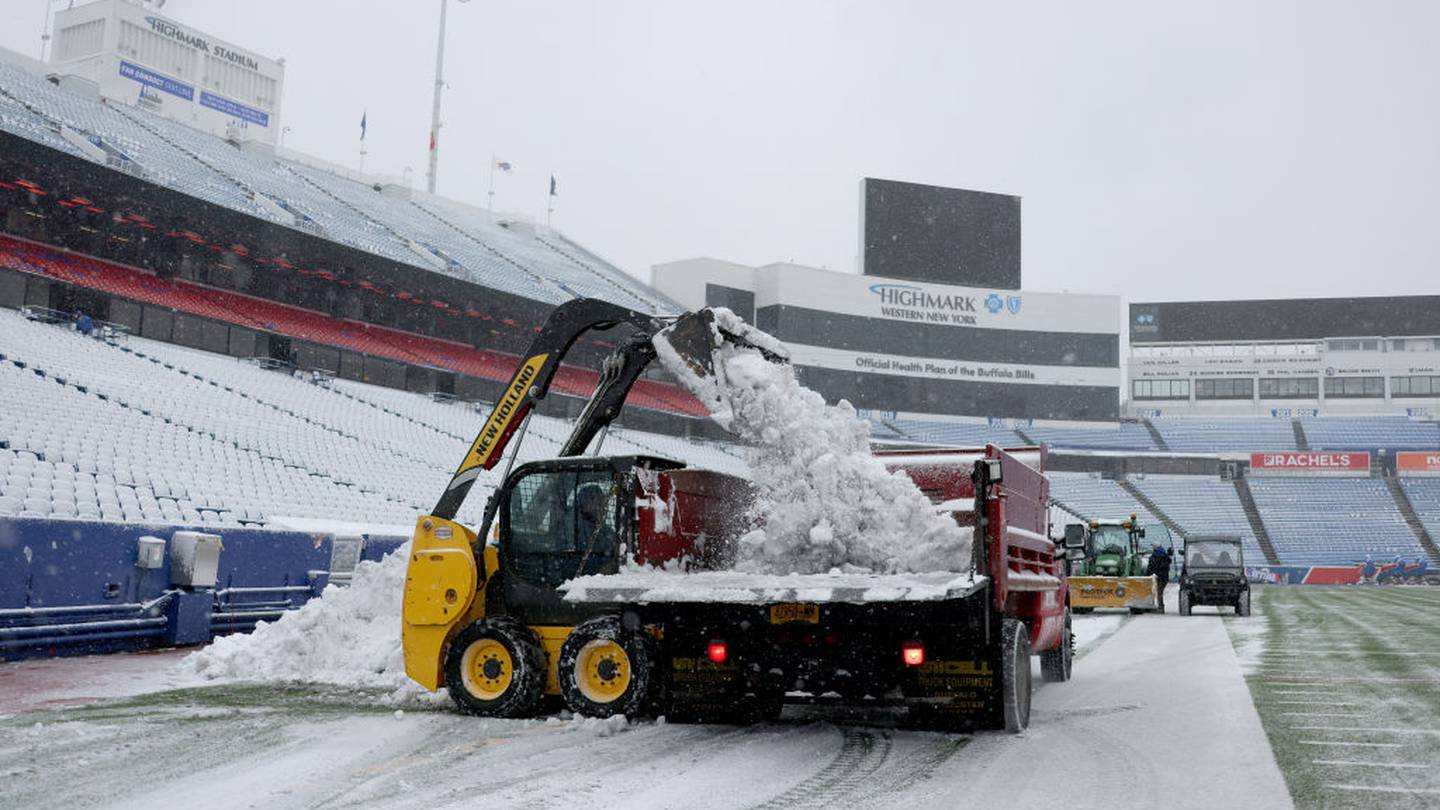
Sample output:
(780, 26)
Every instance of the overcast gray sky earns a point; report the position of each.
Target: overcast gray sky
(1163, 150)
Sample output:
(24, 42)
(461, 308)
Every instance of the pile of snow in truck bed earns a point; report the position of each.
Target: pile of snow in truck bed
(651, 585)
(824, 502)
(350, 636)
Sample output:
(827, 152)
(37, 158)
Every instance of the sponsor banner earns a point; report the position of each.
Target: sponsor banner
(234, 108)
(1291, 462)
(1418, 463)
(936, 304)
(1383, 573)
(158, 81)
(1293, 413)
(969, 370)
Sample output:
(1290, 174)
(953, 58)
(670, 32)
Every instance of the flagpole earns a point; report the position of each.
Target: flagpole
(550, 199)
(492, 183)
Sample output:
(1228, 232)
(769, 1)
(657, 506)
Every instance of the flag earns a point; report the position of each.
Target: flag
(553, 192)
(432, 140)
(363, 116)
(503, 165)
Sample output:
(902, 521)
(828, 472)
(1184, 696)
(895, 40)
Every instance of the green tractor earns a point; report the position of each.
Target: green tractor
(1112, 572)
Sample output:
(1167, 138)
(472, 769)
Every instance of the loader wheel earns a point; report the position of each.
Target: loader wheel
(1015, 674)
(1055, 665)
(1184, 603)
(605, 669)
(1242, 604)
(495, 668)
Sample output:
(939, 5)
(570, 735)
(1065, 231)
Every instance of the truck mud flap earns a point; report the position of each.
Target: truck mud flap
(958, 689)
(696, 689)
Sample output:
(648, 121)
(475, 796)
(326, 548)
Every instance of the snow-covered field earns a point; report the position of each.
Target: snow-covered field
(1158, 713)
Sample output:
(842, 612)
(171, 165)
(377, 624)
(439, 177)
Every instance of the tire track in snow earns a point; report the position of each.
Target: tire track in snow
(861, 754)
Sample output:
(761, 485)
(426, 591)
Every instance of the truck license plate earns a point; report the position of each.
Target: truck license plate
(783, 614)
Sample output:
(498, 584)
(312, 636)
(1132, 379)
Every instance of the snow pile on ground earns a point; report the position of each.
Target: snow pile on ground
(350, 636)
(824, 501)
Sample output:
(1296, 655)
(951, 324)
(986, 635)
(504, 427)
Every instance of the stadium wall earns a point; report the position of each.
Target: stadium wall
(899, 345)
(75, 586)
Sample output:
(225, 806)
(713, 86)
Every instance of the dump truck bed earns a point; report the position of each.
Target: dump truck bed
(730, 587)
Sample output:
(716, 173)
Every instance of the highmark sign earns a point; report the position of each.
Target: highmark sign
(913, 303)
(170, 30)
(938, 305)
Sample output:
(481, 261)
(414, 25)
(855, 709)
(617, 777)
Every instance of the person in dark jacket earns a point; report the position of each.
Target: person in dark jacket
(1159, 567)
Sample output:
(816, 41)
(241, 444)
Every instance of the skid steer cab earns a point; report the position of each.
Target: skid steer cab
(493, 628)
(484, 619)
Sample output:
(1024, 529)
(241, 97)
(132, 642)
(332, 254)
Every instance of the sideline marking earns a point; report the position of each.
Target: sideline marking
(1349, 762)
(1369, 729)
(1359, 744)
(1308, 703)
(1322, 714)
(1379, 789)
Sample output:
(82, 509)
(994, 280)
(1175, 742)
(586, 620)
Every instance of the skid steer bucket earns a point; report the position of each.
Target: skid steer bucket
(687, 348)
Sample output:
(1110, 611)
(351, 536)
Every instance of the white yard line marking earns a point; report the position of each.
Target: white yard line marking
(1379, 789)
(1369, 729)
(1309, 703)
(1352, 744)
(1311, 692)
(1322, 714)
(1354, 764)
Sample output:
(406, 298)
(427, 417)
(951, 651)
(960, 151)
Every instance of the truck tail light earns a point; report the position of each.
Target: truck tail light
(913, 652)
(717, 651)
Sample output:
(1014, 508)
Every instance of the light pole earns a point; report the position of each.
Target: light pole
(435, 106)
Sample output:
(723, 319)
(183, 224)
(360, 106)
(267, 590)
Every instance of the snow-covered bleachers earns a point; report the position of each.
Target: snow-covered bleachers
(162, 164)
(1095, 497)
(524, 249)
(163, 434)
(1202, 505)
(1424, 495)
(195, 163)
(1230, 434)
(1121, 436)
(1325, 521)
(956, 434)
(1370, 433)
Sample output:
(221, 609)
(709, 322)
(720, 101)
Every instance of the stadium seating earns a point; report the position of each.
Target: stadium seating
(1424, 495)
(1234, 434)
(1202, 505)
(1332, 521)
(1370, 433)
(259, 313)
(471, 245)
(155, 433)
(956, 434)
(1124, 436)
(1094, 497)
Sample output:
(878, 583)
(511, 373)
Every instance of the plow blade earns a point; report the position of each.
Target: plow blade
(687, 348)
(1113, 592)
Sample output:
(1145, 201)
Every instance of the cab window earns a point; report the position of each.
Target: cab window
(562, 524)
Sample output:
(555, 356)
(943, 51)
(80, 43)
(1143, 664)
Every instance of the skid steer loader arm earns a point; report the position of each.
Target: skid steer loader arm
(693, 337)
